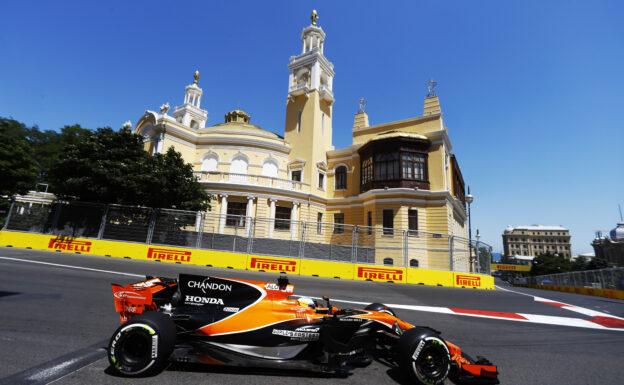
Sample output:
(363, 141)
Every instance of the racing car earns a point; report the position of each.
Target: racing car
(238, 322)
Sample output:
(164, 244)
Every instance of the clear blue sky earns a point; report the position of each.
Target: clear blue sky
(532, 91)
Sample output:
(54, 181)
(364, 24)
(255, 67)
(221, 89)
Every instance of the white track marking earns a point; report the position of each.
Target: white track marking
(567, 306)
(73, 267)
(532, 318)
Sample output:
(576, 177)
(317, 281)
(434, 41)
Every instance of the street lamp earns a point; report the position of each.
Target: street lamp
(469, 199)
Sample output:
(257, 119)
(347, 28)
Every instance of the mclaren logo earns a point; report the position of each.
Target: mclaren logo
(169, 255)
(380, 273)
(468, 280)
(273, 264)
(69, 245)
(128, 294)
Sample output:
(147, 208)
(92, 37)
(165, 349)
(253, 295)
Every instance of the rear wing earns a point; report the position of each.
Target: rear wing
(137, 298)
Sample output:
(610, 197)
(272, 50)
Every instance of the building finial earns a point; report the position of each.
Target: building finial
(196, 77)
(314, 17)
(431, 85)
(362, 105)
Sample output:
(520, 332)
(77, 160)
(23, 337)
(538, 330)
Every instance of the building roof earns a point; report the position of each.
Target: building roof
(537, 228)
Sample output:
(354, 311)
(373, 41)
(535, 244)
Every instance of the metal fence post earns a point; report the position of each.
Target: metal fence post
(199, 227)
(150, 230)
(6, 222)
(252, 230)
(478, 258)
(405, 250)
(451, 267)
(103, 224)
(302, 234)
(354, 244)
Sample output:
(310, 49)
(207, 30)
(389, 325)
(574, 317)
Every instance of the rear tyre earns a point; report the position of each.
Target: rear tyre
(424, 356)
(380, 307)
(142, 345)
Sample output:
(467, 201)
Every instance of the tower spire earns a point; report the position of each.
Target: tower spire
(314, 17)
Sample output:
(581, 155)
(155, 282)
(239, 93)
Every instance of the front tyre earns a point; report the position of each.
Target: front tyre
(424, 356)
(142, 345)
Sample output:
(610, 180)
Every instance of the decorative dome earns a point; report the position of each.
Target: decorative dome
(617, 234)
(237, 116)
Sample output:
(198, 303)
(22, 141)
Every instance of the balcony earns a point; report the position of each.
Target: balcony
(251, 180)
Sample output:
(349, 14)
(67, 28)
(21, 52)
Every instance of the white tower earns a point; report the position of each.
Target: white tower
(189, 114)
(311, 71)
(308, 126)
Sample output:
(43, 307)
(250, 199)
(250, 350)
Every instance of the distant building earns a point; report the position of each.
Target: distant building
(537, 239)
(610, 247)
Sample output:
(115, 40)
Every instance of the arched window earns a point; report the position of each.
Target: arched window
(194, 125)
(388, 261)
(341, 178)
(413, 262)
(210, 163)
(238, 168)
(269, 168)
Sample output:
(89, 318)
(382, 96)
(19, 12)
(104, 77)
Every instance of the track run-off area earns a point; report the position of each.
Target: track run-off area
(58, 314)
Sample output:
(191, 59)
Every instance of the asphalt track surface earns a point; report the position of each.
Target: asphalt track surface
(55, 322)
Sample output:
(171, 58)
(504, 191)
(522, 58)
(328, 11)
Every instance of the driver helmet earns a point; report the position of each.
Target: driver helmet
(306, 302)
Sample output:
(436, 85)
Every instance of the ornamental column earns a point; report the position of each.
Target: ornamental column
(293, 221)
(272, 217)
(223, 215)
(249, 214)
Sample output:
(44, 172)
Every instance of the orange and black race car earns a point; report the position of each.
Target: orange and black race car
(237, 322)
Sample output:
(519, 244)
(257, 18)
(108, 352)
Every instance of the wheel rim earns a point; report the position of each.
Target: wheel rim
(136, 348)
(432, 362)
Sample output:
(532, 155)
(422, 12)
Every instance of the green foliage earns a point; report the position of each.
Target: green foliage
(579, 263)
(18, 169)
(596, 263)
(548, 263)
(50, 145)
(106, 166)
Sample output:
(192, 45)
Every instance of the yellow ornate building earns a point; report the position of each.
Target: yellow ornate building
(399, 174)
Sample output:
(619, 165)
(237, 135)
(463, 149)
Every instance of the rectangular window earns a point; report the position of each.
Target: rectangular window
(296, 175)
(319, 223)
(339, 223)
(236, 212)
(388, 222)
(323, 124)
(369, 222)
(412, 222)
(321, 184)
(299, 121)
(282, 218)
(413, 165)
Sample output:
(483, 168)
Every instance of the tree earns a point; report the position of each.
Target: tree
(596, 263)
(579, 263)
(548, 263)
(50, 145)
(18, 168)
(107, 166)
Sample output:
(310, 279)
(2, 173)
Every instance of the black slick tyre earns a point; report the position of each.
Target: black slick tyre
(423, 356)
(142, 345)
(380, 307)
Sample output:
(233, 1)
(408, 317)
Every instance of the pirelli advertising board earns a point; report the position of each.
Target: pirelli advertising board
(380, 273)
(506, 267)
(269, 264)
(273, 264)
